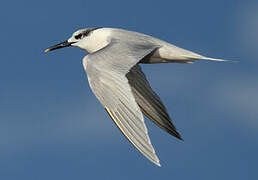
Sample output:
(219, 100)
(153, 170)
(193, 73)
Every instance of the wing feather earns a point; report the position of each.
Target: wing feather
(106, 74)
(149, 102)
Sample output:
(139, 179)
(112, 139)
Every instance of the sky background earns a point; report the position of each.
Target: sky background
(52, 127)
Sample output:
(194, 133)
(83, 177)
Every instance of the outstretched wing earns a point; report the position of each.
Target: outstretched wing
(106, 70)
(149, 101)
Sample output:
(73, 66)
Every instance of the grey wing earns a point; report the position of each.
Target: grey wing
(107, 80)
(121, 56)
(149, 102)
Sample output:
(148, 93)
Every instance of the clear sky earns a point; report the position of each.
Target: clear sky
(52, 126)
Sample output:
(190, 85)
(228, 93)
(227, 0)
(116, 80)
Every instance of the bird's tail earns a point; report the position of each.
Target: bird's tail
(209, 59)
(215, 59)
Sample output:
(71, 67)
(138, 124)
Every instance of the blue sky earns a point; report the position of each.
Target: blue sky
(52, 127)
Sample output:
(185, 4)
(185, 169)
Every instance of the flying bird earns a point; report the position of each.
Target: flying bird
(116, 79)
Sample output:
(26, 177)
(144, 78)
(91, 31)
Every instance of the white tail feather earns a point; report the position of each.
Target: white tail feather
(215, 59)
(207, 58)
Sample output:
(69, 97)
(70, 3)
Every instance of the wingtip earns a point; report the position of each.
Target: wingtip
(158, 164)
(177, 135)
(180, 138)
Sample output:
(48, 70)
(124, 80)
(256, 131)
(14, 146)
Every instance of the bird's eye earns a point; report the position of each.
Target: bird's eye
(79, 36)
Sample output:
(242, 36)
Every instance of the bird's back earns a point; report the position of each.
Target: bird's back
(166, 52)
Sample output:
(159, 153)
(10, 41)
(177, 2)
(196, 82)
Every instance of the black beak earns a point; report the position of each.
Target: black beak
(58, 46)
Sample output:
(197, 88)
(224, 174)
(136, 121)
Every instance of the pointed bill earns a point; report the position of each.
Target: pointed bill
(58, 46)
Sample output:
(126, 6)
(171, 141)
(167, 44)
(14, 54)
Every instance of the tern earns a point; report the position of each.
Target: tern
(116, 79)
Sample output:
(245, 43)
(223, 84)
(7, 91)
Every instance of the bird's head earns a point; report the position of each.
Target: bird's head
(83, 39)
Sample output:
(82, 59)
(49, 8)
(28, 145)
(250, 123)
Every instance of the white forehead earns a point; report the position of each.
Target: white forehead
(79, 31)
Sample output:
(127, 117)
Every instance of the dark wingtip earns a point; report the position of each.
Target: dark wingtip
(178, 136)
